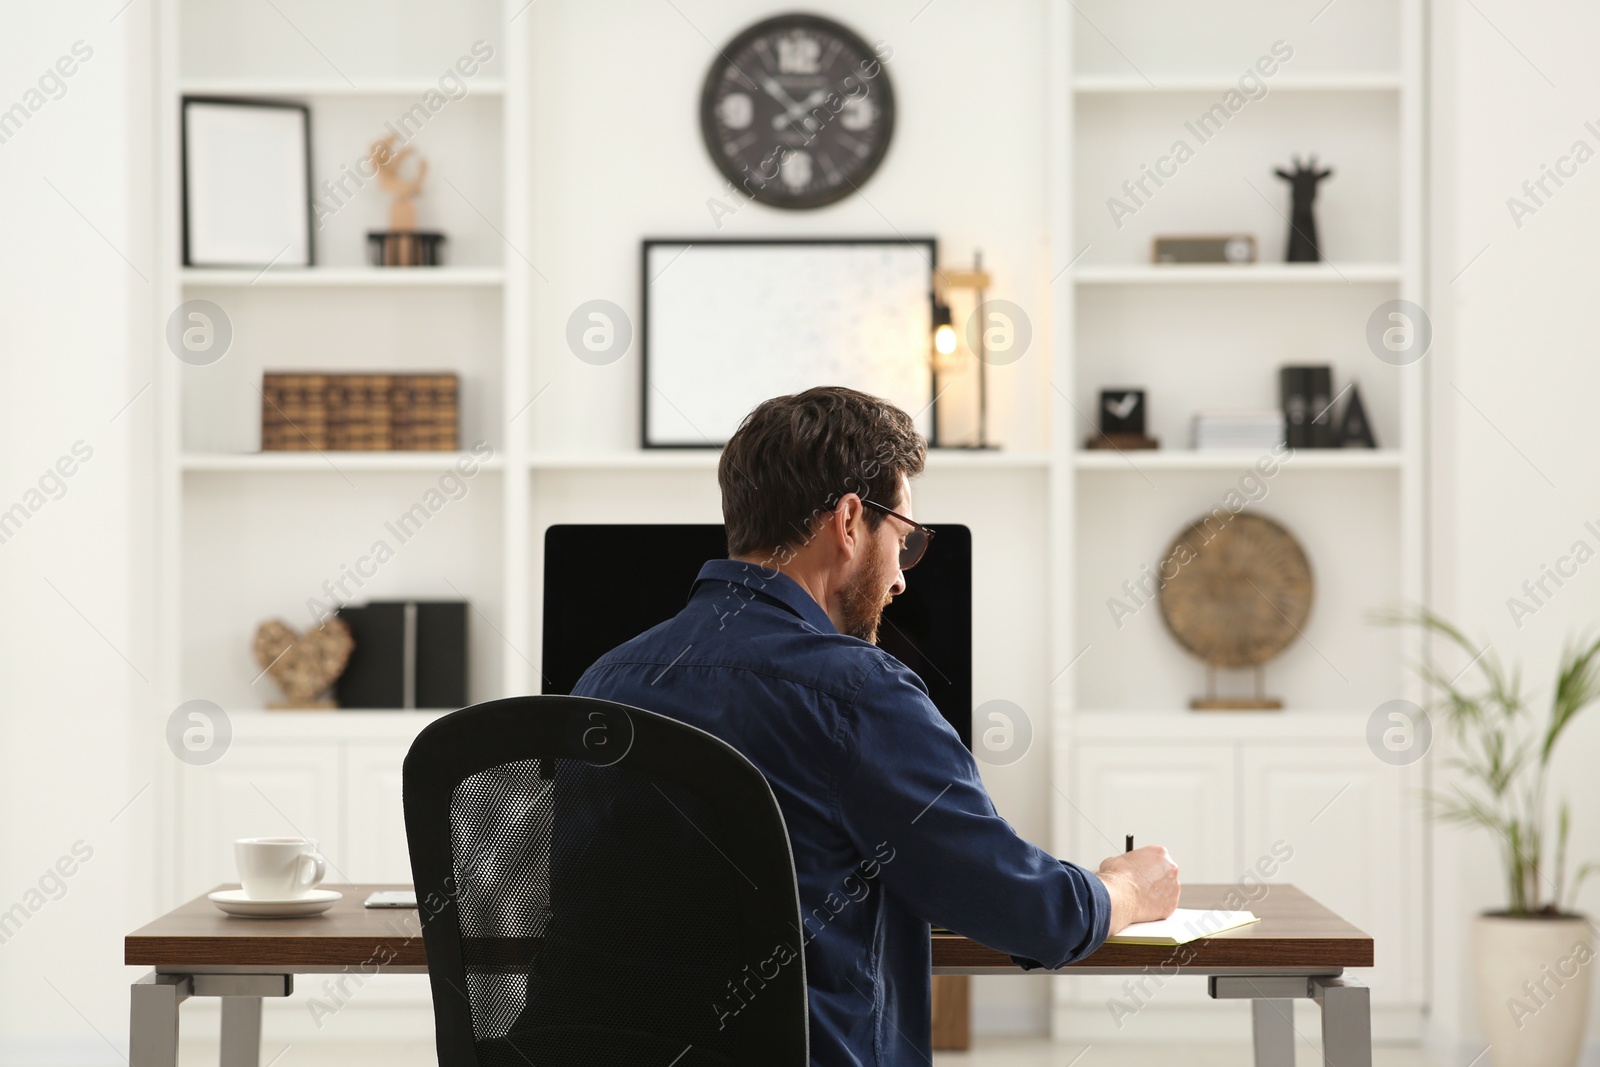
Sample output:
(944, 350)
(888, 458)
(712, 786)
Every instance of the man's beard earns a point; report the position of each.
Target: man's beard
(862, 601)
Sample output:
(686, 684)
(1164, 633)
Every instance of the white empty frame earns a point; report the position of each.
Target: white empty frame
(729, 324)
(246, 178)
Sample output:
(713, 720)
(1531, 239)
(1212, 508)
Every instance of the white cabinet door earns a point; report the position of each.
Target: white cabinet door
(259, 790)
(1178, 796)
(376, 831)
(1347, 816)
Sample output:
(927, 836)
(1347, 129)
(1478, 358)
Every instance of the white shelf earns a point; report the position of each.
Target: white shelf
(1360, 82)
(351, 724)
(1241, 274)
(1320, 459)
(694, 459)
(372, 277)
(997, 459)
(1289, 724)
(687, 459)
(276, 87)
(329, 462)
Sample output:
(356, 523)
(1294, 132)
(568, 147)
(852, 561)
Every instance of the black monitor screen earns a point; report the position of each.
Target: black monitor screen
(593, 603)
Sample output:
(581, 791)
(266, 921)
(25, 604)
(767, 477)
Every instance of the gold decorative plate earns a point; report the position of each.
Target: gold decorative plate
(1242, 591)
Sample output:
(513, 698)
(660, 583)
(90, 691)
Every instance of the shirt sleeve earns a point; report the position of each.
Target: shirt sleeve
(907, 783)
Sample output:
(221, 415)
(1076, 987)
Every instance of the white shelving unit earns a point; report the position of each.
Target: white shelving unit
(1219, 788)
(248, 535)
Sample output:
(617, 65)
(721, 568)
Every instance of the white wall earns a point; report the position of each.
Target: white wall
(76, 657)
(618, 157)
(1514, 382)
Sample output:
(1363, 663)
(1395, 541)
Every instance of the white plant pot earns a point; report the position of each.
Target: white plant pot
(1533, 978)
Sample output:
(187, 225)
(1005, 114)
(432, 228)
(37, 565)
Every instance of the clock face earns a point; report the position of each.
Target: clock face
(797, 111)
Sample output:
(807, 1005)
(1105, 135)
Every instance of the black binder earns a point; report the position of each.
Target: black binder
(1307, 397)
(408, 654)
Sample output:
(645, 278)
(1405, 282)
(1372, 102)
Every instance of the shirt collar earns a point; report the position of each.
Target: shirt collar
(764, 581)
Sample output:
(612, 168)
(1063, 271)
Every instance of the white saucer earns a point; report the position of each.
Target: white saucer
(234, 902)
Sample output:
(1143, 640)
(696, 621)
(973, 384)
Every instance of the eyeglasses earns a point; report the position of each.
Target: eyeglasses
(916, 541)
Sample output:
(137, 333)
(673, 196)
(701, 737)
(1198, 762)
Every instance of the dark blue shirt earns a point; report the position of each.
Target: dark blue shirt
(889, 822)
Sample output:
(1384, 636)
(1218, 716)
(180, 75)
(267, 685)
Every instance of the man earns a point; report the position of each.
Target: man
(889, 822)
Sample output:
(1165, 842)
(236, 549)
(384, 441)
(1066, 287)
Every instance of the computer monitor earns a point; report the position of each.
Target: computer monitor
(605, 584)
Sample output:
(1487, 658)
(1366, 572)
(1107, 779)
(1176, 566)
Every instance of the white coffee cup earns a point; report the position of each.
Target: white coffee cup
(278, 868)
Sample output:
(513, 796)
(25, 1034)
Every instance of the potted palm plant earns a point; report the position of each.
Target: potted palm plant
(1532, 959)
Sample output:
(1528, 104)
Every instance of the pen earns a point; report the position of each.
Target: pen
(1130, 844)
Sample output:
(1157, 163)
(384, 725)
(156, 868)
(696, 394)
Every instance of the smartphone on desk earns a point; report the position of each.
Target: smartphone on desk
(392, 898)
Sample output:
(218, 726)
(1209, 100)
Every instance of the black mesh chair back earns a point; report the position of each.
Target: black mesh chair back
(599, 885)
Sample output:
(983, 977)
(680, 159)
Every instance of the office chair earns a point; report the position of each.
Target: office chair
(600, 885)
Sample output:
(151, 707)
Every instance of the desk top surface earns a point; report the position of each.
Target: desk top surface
(1294, 932)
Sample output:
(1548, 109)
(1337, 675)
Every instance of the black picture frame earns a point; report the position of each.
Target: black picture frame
(184, 181)
(930, 244)
(1133, 423)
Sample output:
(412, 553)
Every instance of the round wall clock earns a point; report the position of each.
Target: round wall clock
(797, 111)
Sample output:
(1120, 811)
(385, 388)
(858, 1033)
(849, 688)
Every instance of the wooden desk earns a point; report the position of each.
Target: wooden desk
(1295, 934)
(1298, 950)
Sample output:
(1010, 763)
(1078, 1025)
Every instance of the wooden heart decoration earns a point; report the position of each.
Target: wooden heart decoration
(305, 666)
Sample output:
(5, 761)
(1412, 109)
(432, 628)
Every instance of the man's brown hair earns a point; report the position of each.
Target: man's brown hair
(794, 457)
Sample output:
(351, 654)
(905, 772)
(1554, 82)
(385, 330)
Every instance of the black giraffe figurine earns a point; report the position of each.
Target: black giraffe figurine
(1303, 246)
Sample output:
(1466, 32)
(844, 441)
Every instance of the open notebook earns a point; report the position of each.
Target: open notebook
(1183, 926)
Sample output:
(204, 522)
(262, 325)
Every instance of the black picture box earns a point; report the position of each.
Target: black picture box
(1307, 395)
(1122, 412)
(408, 654)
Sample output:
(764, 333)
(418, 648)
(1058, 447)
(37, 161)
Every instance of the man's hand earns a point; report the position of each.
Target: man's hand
(1143, 885)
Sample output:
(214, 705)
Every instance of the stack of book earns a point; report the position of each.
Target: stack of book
(1237, 430)
(359, 412)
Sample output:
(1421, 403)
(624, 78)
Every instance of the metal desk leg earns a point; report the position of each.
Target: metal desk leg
(1346, 1021)
(1271, 1000)
(241, 1010)
(1273, 1024)
(153, 1019)
(241, 1032)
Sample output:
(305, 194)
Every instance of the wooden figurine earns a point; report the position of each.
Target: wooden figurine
(402, 245)
(388, 162)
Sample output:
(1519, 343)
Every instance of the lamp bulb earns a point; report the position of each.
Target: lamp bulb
(944, 340)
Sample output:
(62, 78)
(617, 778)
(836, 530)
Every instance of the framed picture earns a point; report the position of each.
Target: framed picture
(730, 323)
(246, 183)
